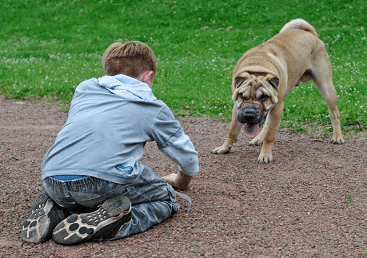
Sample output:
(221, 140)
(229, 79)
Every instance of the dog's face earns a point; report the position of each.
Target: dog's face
(254, 95)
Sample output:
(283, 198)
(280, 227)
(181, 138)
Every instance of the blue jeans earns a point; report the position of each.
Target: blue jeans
(152, 199)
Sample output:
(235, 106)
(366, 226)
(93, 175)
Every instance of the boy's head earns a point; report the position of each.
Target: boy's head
(132, 58)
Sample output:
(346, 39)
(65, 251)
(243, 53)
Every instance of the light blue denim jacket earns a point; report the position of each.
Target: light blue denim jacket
(109, 121)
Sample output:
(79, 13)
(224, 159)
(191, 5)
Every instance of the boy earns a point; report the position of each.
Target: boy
(96, 188)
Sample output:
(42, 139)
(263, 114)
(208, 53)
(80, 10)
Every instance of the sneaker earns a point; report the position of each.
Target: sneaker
(94, 226)
(46, 214)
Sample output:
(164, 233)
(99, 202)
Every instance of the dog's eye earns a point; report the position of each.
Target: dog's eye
(274, 82)
(243, 97)
(263, 97)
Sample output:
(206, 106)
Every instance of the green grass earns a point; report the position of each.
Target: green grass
(349, 198)
(48, 47)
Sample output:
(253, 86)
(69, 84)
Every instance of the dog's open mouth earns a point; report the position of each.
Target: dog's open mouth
(251, 130)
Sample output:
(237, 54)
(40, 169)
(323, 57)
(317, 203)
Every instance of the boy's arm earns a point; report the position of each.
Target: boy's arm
(172, 141)
(179, 180)
(183, 153)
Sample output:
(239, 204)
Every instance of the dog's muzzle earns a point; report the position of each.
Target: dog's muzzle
(263, 119)
(249, 115)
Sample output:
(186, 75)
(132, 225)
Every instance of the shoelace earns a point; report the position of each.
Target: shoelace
(187, 198)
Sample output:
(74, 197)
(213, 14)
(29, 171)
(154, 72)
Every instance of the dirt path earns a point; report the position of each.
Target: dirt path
(293, 207)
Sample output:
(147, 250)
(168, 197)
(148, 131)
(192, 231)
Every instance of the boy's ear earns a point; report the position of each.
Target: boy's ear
(147, 76)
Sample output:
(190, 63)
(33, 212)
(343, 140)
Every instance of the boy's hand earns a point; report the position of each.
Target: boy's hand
(179, 180)
(170, 178)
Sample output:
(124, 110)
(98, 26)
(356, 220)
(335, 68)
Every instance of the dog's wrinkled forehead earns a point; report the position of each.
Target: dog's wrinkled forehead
(255, 81)
(257, 85)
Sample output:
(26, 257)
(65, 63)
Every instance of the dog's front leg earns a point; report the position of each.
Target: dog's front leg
(233, 132)
(258, 140)
(273, 120)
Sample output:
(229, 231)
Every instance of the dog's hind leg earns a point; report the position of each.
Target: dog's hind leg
(322, 76)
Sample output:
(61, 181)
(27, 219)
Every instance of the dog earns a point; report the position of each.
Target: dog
(266, 74)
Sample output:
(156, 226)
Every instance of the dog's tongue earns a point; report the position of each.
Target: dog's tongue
(251, 130)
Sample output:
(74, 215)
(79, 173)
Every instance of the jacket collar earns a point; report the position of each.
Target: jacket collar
(127, 87)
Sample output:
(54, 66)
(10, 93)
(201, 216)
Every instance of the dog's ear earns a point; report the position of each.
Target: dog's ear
(239, 81)
(274, 82)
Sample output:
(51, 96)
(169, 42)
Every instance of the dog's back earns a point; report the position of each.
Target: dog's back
(299, 24)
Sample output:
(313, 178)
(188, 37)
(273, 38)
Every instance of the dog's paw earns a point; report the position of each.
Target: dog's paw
(221, 150)
(264, 159)
(255, 142)
(337, 140)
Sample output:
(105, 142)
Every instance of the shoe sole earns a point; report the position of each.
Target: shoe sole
(77, 228)
(36, 228)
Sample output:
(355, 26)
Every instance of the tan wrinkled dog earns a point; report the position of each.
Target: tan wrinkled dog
(266, 74)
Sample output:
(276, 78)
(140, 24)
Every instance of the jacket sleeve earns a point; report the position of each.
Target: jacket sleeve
(173, 142)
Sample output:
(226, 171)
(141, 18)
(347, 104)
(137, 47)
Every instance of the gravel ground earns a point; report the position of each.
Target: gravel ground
(296, 206)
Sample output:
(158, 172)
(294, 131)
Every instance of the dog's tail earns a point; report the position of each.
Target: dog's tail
(299, 24)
